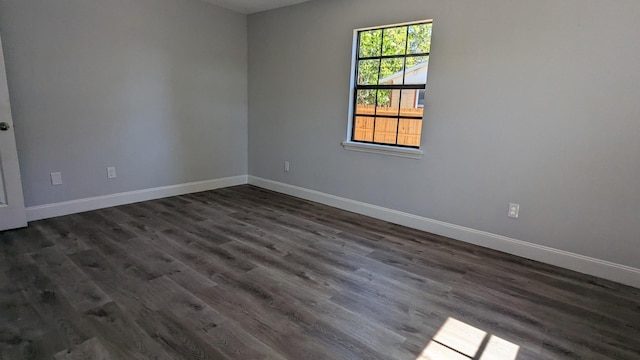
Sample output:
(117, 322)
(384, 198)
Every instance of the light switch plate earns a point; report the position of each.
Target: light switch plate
(111, 172)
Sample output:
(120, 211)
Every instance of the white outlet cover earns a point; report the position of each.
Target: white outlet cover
(111, 172)
(514, 210)
(56, 178)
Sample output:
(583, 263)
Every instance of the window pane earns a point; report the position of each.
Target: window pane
(421, 98)
(395, 41)
(420, 38)
(368, 72)
(365, 102)
(394, 102)
(391, 71)
(370, 43)
(417, 69)
(363, 128)
(409, 131)
(385, 131)
(388, 102)
(410, 103)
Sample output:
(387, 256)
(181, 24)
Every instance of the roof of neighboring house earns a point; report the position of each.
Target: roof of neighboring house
(401, 72)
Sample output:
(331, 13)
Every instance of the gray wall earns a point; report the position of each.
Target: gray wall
(157, 88)
(534, 102)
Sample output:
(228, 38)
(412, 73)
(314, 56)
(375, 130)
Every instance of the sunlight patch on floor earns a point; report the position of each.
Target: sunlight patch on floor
(457, 340)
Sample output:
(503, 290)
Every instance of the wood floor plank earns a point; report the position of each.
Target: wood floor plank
(77, 287)
(36, 319)
(120, 334)
(247, 273)
(58, 232)
(92, 349)
(180, 222)
(225, 335)
(382, 340)
(277, 332)
(282, 307)
(176, 337)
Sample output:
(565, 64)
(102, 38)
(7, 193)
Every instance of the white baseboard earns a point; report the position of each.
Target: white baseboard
(584, 264)
(99, 202)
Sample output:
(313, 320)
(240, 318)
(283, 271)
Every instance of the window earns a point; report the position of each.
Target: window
(389, 79)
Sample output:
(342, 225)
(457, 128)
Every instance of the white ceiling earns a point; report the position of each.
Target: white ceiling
(252, 6)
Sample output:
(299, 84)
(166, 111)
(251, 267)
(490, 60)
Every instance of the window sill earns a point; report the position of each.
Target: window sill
(383, 149)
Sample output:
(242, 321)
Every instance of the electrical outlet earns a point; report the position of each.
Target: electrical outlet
(514, 210)
(111, 172)
(286, 166)
(56, 178)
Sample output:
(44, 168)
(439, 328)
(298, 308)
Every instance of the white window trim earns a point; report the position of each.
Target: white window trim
(347, 144)
(398, 151)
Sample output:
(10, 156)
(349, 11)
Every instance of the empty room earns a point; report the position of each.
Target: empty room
(319, 179)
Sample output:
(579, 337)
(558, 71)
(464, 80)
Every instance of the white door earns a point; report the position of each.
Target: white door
(12, 212)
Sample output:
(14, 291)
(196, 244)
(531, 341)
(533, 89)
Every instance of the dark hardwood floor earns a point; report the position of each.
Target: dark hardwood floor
(244, 273)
